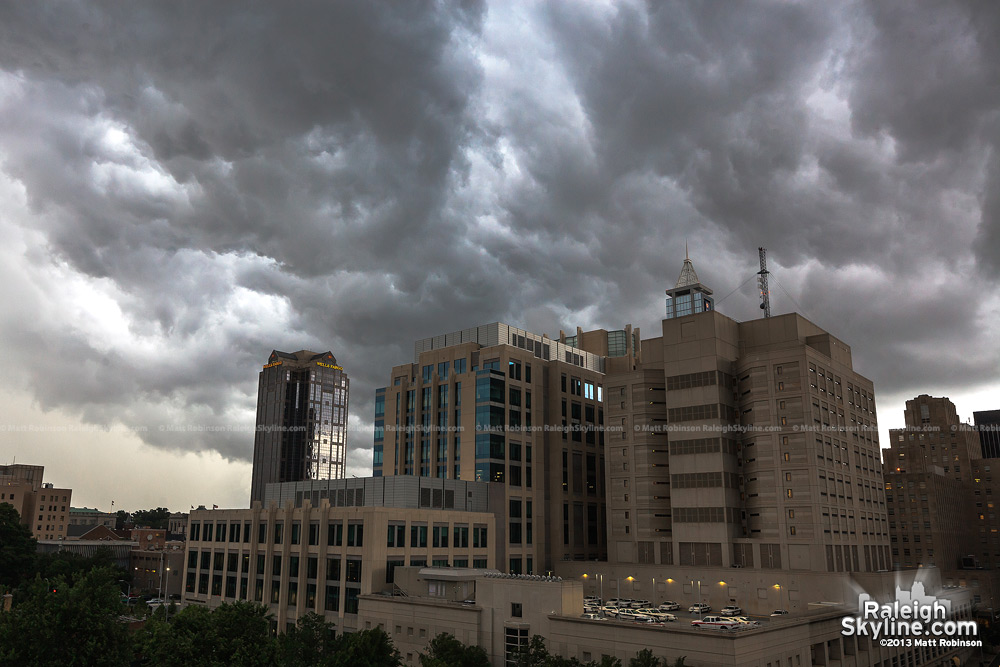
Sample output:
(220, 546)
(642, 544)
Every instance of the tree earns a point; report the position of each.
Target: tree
(310, 642)
(534, 653)
(122, 518)
(368, 648)
(608, 661)
(17, 548)
(232, 634)
(446, 651)
(158, 518)
(63, 624)
(645, 658)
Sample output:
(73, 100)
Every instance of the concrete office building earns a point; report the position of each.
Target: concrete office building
(301, 432)
(42, 507)
(988, 425)
(299, 558)
(752, 444)
(928, 482)
(501, 613)
(500, 404)
(85, 516)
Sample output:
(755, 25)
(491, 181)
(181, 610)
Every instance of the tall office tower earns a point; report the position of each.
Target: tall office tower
(988, 425)
(929, 468)
(499, 404)
(743, 443)
(301, 420)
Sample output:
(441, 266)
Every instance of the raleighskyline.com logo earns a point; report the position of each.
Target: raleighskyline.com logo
(913, 619)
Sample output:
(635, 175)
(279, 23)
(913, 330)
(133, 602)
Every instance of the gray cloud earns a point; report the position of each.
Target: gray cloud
(195, 185)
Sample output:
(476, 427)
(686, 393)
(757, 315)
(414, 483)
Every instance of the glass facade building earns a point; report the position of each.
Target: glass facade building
(301, 435)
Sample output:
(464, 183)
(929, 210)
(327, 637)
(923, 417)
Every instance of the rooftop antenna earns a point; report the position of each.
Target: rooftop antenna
(765, 295)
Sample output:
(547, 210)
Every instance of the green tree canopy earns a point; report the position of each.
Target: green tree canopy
(17, 548)
(311, 642)
(645, 658)
(446, 651)
(58, 623)
(156, 518)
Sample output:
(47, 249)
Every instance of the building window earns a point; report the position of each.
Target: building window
(515, 609)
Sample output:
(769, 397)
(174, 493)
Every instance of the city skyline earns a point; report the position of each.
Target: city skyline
(356, 178)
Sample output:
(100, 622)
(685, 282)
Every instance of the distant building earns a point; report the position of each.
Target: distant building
(988, 425)
(302, 401)
(43, 507)
(85, 516)
(177, 524)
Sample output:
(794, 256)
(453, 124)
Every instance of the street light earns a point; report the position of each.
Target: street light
(631, 580)
(166, 606)
(780, 603)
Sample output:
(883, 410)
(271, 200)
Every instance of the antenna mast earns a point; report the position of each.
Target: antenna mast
(765, 295)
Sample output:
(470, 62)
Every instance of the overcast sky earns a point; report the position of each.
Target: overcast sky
(186, 186)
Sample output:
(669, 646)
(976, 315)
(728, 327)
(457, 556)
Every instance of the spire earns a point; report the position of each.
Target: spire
(688, 275)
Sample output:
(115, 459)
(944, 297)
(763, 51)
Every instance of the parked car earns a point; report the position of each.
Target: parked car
(615, 602)
(593, 617)
(717, 622)
(669, 605)
(699, 608)
(657, 614)
(638, 604)
(645, 619)
(779, 612)
(155, 601)
(743, 620)
(629, 614)
(731, 610)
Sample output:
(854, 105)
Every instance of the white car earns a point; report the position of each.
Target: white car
(731, 610)
(630, 615)
(779, 612)
(155, 601)
(716, 622)
(699, 608)
(743, 620)
(669, 605)
(592, 617)
(638, 604)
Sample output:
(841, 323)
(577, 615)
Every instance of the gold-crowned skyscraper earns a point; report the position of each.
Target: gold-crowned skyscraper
(301, 431)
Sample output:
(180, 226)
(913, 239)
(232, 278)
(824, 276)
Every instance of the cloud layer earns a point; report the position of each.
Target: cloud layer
(184, 189)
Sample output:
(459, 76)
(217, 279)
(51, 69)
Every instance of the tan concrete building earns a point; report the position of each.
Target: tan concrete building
(323, 558)
(942, 509)
(86, 516)
(751, 444)
(500, 404)
(43, 508)
(501, 613)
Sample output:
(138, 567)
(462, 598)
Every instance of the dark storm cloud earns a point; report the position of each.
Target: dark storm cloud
(237, 177)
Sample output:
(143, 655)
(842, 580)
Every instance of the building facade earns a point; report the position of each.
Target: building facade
(501, 613)
(751, 444)
(302, 401)
(306, 558)
(499, 404)
(43, 507)
(988, 424)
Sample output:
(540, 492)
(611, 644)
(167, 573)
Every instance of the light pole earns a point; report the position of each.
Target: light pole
(160, 596)
(781, 604)
(631, 580)
(166, 605)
